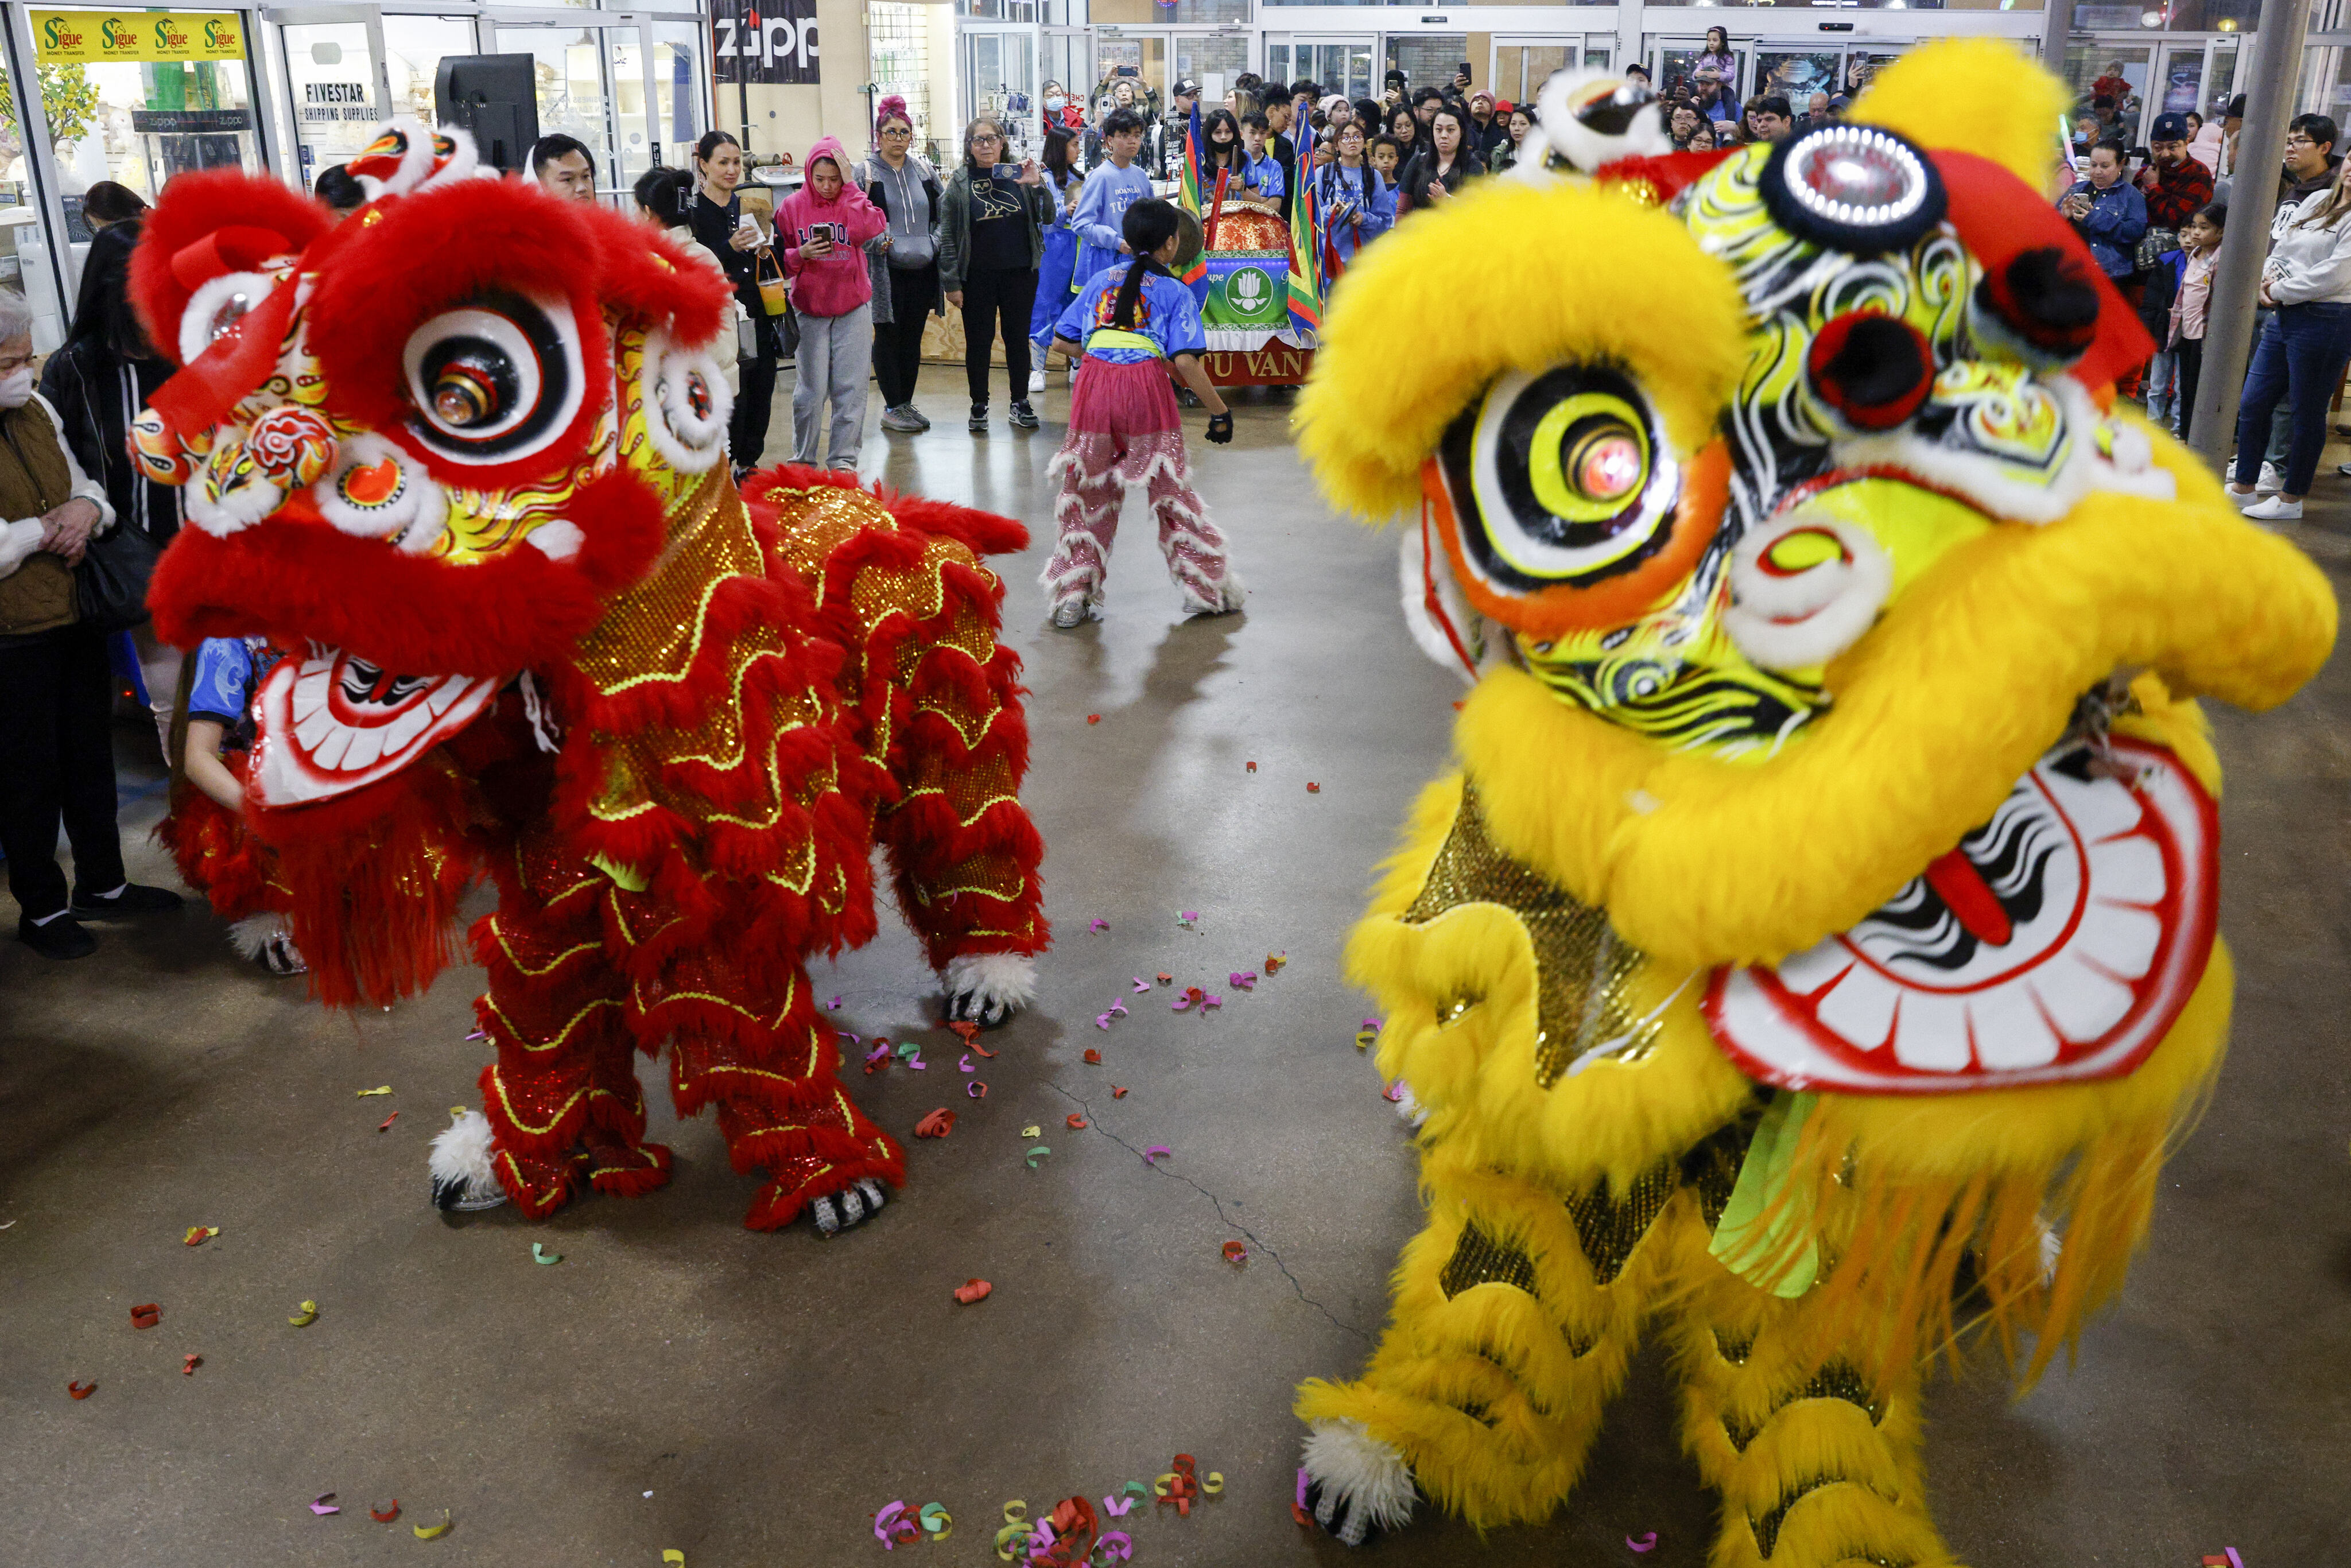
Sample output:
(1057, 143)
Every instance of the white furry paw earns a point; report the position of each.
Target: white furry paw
(987, 989)
(1356, 1486)
(266, 939)
(1411, 1112)
(462, 1175)
(851, 1205)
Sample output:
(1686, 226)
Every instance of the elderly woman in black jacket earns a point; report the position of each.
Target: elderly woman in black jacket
(56, 692)
(991, 242)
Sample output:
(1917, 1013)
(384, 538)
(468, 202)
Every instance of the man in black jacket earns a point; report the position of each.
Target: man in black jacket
(1163, 141)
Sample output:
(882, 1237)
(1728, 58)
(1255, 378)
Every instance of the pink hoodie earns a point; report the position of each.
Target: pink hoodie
(837, 284)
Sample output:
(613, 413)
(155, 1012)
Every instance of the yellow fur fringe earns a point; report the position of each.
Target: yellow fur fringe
(1978, 95)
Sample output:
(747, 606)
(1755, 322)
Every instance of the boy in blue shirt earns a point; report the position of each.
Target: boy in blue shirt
(1109, 192)
(1134, 323)
(207, 830)
(1261, 170)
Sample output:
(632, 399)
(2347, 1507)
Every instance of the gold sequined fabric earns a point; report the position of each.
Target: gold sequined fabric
(1480, 1260)
(1835, 1381)
(1611, 1228)
(1583, 970)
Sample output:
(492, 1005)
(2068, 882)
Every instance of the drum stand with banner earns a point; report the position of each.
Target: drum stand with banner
(1245, 310)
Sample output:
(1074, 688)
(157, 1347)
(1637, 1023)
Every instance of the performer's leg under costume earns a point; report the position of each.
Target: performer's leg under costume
(1507, 1339)
(1124, 430)
(1813, 1445)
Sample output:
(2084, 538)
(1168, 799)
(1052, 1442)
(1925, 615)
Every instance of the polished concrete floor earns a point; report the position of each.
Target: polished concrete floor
(677, 1382)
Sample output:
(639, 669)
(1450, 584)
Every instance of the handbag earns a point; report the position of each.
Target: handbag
(110, 583)
(775, 293)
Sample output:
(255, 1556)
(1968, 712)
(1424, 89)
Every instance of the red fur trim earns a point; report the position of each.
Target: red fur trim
(619, 514)
(479, 235)
(373, 911)
(629, 1173)
(193, 206)
(215, 853)
(297, 581)
(645, 273)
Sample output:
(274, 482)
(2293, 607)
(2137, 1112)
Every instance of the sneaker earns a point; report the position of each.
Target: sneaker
(61, 938)
(977, 422)
(2276, 510)
(1023, 417)
(2343, 469)
(901, 419)
(2271, 479)
(124, 901)
(1071, 613)
(916, 415)
(1037, 378)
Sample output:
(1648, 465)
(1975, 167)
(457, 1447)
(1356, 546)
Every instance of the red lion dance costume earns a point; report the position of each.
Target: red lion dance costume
(480, 433)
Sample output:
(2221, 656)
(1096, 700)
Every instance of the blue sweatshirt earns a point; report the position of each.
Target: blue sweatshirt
(1102, 207)
(1164, 312)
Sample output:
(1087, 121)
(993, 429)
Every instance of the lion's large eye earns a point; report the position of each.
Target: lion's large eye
(216, 306)
(1568, 477)
(495, 379)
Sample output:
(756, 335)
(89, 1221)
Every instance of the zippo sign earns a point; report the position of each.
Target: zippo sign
(772, 41)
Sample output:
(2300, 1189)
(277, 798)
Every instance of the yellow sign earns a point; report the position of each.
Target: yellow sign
(95, 37)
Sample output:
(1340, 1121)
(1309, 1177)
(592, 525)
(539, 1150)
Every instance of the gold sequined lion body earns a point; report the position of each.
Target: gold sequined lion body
(1815, 946)
(463, 458)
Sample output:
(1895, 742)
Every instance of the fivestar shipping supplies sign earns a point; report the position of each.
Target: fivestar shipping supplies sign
(95, 37)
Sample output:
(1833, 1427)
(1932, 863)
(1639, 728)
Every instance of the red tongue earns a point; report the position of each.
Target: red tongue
(1961, 888)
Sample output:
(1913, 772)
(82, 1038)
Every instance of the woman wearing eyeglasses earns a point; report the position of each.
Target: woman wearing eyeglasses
(991, 243)
(904, 261)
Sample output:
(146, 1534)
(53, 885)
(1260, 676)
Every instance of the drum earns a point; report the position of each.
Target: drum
(1188, 237)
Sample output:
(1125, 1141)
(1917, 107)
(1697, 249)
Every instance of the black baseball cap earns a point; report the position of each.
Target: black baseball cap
(2168, 128)
(2236, 108)
(1187, 87)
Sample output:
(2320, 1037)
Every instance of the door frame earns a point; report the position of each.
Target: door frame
(285, 125)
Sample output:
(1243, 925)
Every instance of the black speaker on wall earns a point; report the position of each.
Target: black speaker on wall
(496, 98)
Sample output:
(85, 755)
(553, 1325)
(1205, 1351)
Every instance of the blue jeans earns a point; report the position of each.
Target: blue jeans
(2162, 389)
(2301, 355)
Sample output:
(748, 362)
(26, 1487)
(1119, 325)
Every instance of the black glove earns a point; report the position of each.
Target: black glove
(1220, 429)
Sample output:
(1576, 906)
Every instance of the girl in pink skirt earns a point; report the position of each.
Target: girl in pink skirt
(1133, 322)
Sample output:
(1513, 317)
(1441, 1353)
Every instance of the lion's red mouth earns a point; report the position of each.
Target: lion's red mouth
(332, 723)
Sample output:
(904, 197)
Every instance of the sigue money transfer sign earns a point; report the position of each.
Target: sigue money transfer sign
(763, 41)
(95, 37)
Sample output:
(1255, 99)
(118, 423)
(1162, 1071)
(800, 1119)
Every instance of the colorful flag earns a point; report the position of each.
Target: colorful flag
(1196, 276)
(1306, 285)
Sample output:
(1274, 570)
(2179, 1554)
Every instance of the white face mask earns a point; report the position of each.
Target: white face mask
(1056, 102)
(16, 388)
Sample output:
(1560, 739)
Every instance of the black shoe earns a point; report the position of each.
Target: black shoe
(61, 938)
(130, 900)
(977, 424)
(1023, 417)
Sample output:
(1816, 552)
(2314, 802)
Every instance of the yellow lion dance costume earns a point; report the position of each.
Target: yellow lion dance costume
(1815, 947)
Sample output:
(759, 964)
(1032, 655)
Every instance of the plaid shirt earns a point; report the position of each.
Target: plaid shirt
(2180, 191)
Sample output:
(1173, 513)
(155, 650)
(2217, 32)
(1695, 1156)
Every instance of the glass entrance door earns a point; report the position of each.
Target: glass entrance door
(1336, 64)
(2100, 68)
(1521, 66)
(999, 80)
(337, 88)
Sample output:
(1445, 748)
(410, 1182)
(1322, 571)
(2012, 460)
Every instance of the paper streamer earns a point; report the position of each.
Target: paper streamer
(385, 1126)
(1118, 1092)
(384, 1515)
(1151, 1156)
(363, 1093)
(672, 1554)
(426, 1532)
(324, 1504)
(1141, 987)
(893, 1525)
(976, 1090)
(1236, 1253)
(1274, 961)
(539, 1254)
(1075, 1122)
(146, 1317)
(936, 1519)
(199, 1234)
(307, 1316)
(972, 1290)
(188, 1364)
(1643, 1543)
(81, 1390)
(1039, 1149)
(937, 1124)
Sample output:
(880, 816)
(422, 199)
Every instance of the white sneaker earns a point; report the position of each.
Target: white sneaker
(2271, 479)
(2276, 510)
(1071, 613)
(1037, 378)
